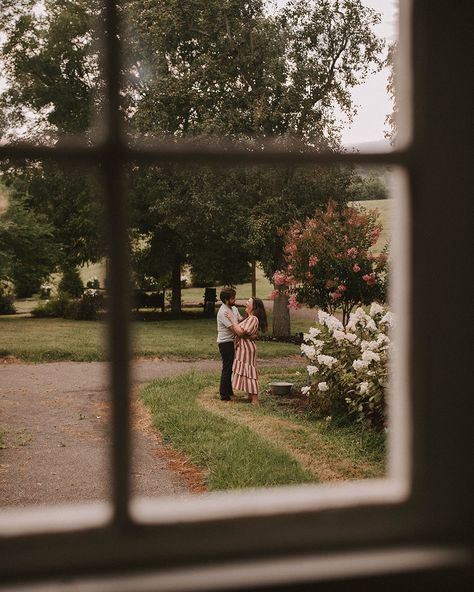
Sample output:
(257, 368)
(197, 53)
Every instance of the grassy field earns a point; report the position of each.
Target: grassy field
(384, 207)
(238, 445)
(43, 340)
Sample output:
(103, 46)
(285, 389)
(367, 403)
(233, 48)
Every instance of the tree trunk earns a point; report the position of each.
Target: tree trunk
(176, 286)
(254, 279)
(281, 316)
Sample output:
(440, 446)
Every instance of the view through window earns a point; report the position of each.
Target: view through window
(307, 248)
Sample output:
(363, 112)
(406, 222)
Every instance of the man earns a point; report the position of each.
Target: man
(225, 341)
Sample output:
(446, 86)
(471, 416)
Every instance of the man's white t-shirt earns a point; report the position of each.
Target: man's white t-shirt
(224, 332)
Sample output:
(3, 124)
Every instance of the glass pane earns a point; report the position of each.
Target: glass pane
(54, 424)
(311, 246)
(297, 71)
(50, 82)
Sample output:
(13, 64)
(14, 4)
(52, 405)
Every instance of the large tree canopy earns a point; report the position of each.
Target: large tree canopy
(233, 69)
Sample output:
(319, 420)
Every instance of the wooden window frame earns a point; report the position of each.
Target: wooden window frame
(413, 521)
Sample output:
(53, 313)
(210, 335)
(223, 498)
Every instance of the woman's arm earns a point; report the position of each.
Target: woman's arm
(236, 328)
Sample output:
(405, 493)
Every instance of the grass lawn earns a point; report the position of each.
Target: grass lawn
(238, 445)
(384, 207)
(43, 340)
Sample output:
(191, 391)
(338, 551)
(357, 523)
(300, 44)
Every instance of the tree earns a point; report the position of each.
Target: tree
(199, 69)
(367, 186)
(329, 263)
(231, 69)
(53, 82)
(27, 255)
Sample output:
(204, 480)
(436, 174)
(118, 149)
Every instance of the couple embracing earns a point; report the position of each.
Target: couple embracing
(236, 337)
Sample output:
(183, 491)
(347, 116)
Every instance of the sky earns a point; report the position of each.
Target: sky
(371, 98)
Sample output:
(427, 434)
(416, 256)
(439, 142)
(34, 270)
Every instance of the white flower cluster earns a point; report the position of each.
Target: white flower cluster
(91, 292)
(352, 361)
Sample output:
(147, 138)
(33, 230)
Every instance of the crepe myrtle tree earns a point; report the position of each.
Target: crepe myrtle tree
(329, 260)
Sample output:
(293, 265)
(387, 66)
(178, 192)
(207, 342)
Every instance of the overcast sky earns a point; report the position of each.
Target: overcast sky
(372, 97)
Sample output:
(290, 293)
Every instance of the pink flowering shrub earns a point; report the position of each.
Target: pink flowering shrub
(329, 261)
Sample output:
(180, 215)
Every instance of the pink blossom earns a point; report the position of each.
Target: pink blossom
(279, 278)
(313, 260)
(290, 268)
(374, 235)
(352, 252)
(292, 302)
(290, 249)
(335, 295)
(274, 294)
(356, 268)
(370, 279)
(341, 288)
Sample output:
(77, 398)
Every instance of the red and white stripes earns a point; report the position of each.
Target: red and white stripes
(244, 372)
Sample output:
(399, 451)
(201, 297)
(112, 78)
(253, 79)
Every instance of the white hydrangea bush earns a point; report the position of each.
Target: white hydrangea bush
(348, 366)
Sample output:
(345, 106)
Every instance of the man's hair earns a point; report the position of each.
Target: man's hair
(227, 294)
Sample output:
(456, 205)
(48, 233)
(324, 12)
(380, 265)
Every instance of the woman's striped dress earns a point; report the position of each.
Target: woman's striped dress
(244, 372)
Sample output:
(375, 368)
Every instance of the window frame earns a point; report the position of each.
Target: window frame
(412, 508)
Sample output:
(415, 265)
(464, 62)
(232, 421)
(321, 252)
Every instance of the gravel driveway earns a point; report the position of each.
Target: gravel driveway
(55, 419)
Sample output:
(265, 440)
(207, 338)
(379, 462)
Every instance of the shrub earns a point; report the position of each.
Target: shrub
(45, 291)
(56, 307)
(6, 302)
(81, 309)
(88, 306)
(93, 283)
(348, 366)
(26, 285)
(71, 283)
(329, 262)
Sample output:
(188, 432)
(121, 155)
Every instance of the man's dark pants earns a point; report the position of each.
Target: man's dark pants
(227, 354)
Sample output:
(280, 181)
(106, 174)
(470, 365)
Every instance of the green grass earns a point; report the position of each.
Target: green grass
(357, 452)
(385, 208)
(239, 445)
(44, 340)
(232, 456)
(244, 291)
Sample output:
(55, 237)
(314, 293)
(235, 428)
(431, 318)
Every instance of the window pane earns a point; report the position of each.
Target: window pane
(50, 85)
(54, 425)
(299, 71)
(317, 242)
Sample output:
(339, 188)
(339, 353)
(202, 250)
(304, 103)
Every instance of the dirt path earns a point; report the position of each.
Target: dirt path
(56, 422)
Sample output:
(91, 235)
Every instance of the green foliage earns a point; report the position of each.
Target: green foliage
(6, 300)
(49, 59)
(26, 253)
(71, 282)
(367, 187)
(56, 307)
(196, 69)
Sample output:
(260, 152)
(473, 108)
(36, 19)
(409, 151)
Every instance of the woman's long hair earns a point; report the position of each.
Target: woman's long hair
(259, 311)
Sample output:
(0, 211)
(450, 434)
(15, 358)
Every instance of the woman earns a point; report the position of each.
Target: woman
(244, 372)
